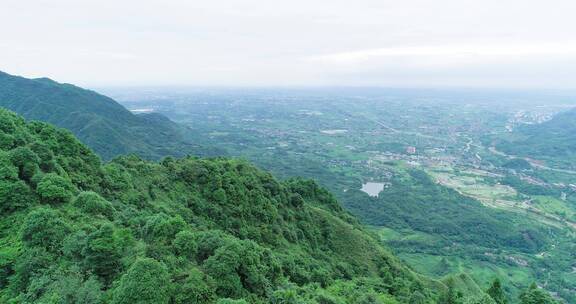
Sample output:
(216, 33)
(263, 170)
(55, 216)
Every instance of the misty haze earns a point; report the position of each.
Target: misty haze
(235, 152)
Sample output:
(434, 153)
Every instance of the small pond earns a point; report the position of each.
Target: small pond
(372, 188)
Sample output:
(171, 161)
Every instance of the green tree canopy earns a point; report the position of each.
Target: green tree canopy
(44, 228)
(496, 292)
(54, 189)
(146, 282)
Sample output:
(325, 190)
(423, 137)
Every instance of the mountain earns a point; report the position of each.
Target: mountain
(553, 140)
(189, 230)
(98, 121)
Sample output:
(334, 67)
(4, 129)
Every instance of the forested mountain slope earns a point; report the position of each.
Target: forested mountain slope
(74, 230)
(98, 121)
(553, 140)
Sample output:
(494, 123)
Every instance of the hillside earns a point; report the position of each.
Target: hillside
(74, 230)
(415, 201)
(98, 121)
(553, 141)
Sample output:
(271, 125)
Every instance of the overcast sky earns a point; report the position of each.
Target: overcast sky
(405, 43)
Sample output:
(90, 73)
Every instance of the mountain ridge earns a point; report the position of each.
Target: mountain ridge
(185, 230)
(97, 120)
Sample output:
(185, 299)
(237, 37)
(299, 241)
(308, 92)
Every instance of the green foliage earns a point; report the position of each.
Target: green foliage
(8, 171)
(15, 195)
(97, 120)
(209, 241)
(527, 188)
(72, 288)
(534, 295)
(145, 282)
(92, 203)
(102, 253)
(54, 189)
(517, 164)
(452, 294)
(44, 228)
(553, 140)
(195, 289)
(185, 244)
(415, 201)
(31, 264)
(162, 227)
(180, 231)
(242, 266)
(417, 298)
(484, 299)
(26, 161)
(231, 301)
(497, 293)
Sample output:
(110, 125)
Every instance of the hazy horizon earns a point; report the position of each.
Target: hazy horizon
(255, 43)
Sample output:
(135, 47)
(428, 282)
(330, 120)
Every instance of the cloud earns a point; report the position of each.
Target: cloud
(450, 51)
(297, 42)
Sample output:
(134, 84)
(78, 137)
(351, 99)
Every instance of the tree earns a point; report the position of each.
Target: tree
(369, 298)
(451, 296)
(7, 121)
(145, 282)
(163, 228)
(54, 189)
(484, 299)
(534, 295)
(102, 253)
(241, 266)
(69, 288)
(44, 228)
(224, 265)
(26, 160)
(15, 195)
(286, 295)
(196, 289)
(185, 244)
(417, 298)
(7, 170)
(495, 292)
(45, 155)
(30, 264)
(92, 203)
(231, 301)
(209, 241)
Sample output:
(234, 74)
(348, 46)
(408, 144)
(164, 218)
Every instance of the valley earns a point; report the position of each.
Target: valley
(347, 138)
(287, 152)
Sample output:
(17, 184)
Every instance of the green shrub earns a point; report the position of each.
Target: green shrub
(44, 228)
(185, 244)
(92, 203)
(54, 189)
(145, 282)
(15, 196)
(196, 289)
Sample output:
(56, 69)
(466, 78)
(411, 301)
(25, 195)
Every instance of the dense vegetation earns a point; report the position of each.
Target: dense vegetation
(74, 230)
(98, 121)
(553, 140)
(343, 138)
(187, 230)
(415, 201)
